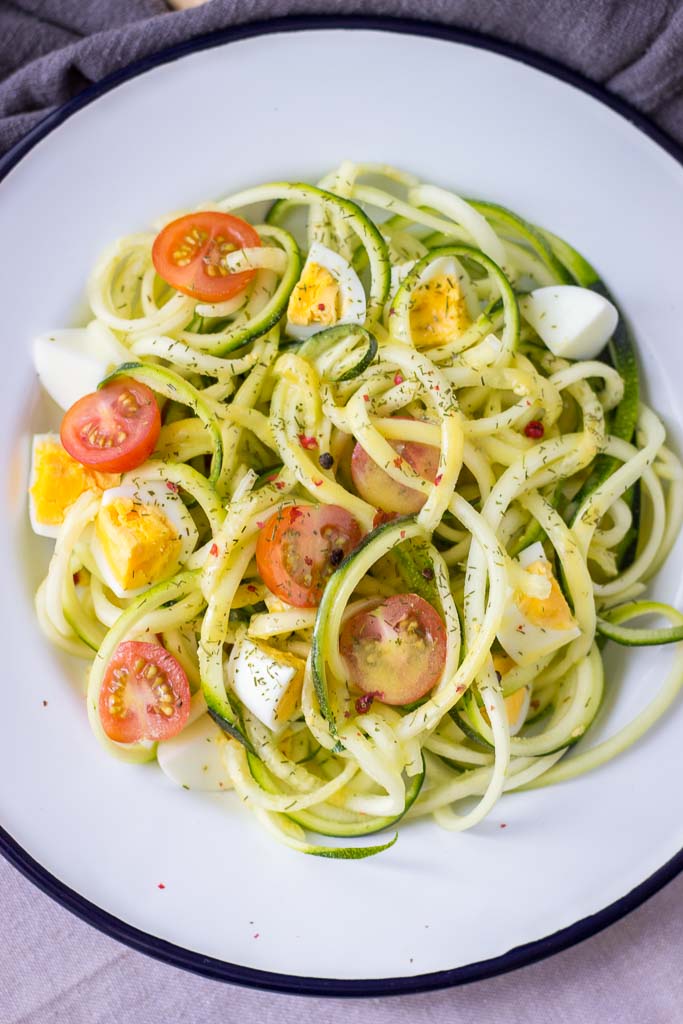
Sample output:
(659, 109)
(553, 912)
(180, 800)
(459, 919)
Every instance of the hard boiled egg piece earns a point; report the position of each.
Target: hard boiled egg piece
(266, 680)
(71, 363)
(438, 308)
(194, 758)
(143, 534)
(575, 323)
(534, 626)
(328, 292)
(56, 482)
(517, 703)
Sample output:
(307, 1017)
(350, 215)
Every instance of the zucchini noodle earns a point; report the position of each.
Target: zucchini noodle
(551, 492)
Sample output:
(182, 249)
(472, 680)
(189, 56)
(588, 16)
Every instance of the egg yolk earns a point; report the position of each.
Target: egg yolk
(138, 542)
(502, 663)
(437, 312)
(551, 612)
(315, 298)
(59, 480)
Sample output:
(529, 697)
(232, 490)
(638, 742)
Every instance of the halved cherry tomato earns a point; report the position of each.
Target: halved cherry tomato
(378, 488)
(395, 651)
(145, 694)
(114, 429)
(188, 253)
(299, 548)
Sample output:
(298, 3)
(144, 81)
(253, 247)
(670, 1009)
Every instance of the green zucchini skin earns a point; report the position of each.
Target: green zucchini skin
(501, 216)
(314, 347)
(342, 829)
(318, 657)
(610, 625)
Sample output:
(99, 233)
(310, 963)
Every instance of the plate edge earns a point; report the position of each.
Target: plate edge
(198, 963)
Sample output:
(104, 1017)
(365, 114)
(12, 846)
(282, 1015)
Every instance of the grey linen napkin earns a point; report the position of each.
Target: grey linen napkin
(52, 49)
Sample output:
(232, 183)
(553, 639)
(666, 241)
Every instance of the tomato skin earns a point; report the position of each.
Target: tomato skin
(92, 428)
(377, 487)
(299, 548)
(145, 694)
(187, 254)
(396, 650)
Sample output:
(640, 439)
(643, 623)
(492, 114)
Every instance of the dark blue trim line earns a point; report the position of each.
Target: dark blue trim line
(218, 969)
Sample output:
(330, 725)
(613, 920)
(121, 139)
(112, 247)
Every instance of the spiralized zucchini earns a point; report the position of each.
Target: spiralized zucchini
(599, 489)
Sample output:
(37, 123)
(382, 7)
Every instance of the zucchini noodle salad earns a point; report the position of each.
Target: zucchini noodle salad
(354, 483)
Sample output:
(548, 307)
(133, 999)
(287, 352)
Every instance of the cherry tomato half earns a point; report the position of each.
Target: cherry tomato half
(395, 651)
(145, 694)
(114, 429)
(378, 488)
(299, 548)
(188, 253)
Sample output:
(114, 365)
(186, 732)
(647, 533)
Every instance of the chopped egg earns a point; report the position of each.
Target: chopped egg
(534, 626)
(438, 308)
(517, 704)
(57, 481)
(194, 758)
(575, 323)
(143, 534)
(267, 681)
(71, 363)
(328, 292)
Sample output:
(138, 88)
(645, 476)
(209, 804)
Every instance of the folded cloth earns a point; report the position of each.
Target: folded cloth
(52, 49)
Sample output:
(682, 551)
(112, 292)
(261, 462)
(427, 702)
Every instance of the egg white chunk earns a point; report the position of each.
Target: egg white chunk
(575, 323)
(71, 363)
(522, 636)
(266, 681)
(194, 758)
(153, 494)
(352, 300)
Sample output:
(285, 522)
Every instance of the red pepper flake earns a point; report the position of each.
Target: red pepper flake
(161, 885)
(295, 513)
(321, 305)
(364, 703)
(259, 525)
(308, 560)
(213, 550)
(392, 311)
(280, 484)
(534, 429)
(269, 479)
(438, 478)
(502, 825)
(460, 689)
(170, 486)
(437, 387)
(366, 398)
(44, 703)
(307, 442)
(257, 935)
(380, 518)
(398, 379)
(402, 534)
(317, 483)
(77, 578)
(535, 704)
(252, 589)
(398, 462)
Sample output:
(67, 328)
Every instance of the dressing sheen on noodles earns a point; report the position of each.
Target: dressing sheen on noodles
(356, 415)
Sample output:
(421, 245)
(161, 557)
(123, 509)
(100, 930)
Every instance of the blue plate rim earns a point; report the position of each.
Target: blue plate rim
(211, 967)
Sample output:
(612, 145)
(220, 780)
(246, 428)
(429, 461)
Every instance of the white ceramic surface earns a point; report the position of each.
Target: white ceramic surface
(175, 136)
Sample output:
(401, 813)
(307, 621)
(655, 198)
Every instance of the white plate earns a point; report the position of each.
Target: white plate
(105, 835)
